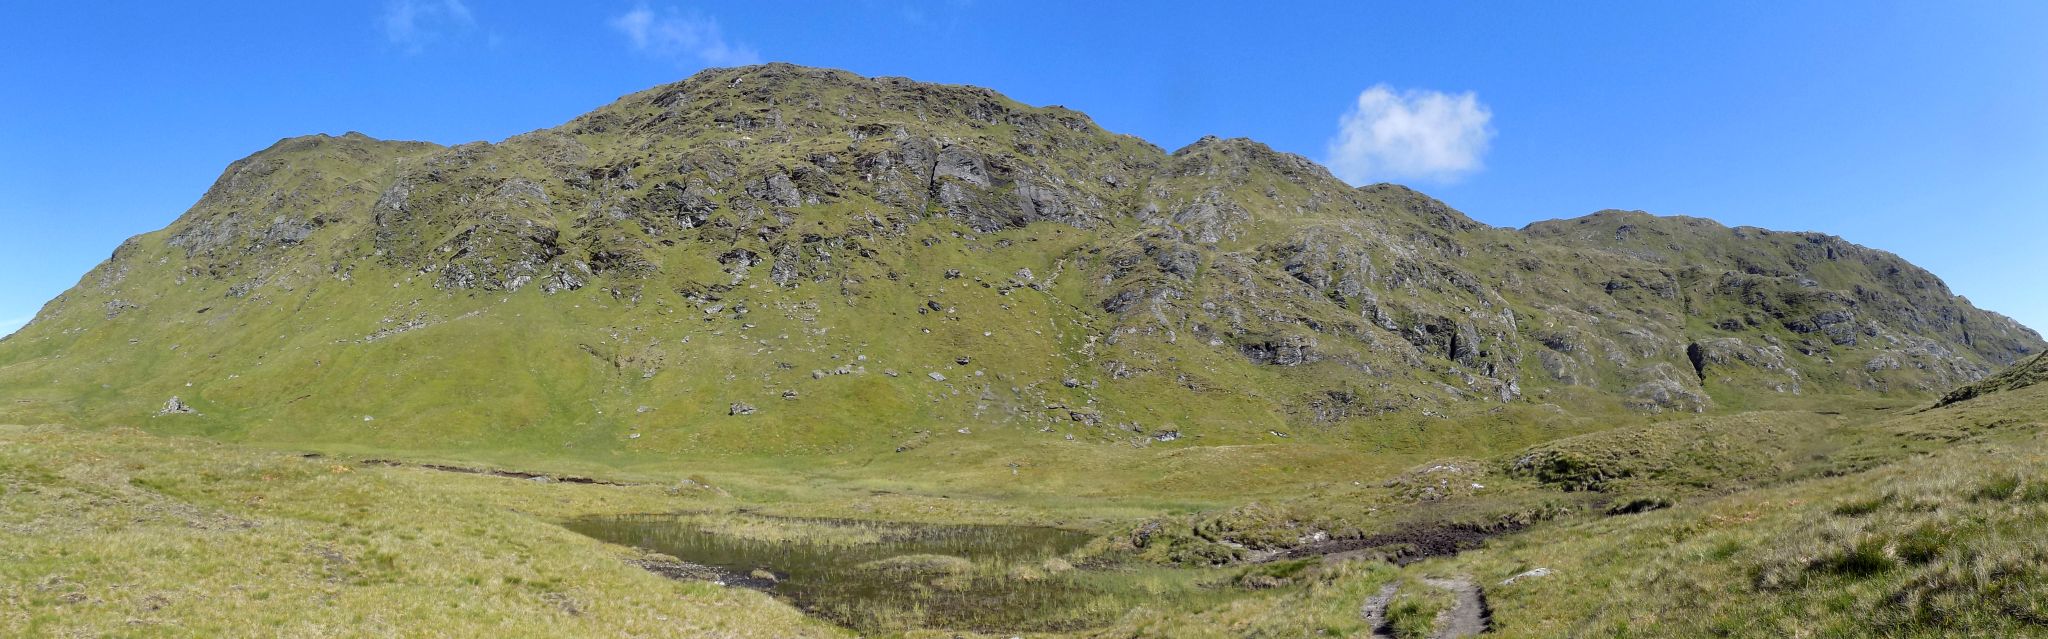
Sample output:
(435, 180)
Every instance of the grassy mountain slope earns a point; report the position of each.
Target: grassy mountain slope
(2031, 372)
(777, 263)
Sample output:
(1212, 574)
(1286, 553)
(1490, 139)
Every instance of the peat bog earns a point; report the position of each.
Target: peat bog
(877, 576)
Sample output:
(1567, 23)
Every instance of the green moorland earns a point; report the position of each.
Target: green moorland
(1868, 522)
(771, 299)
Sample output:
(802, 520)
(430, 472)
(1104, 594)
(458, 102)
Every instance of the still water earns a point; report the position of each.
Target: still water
(881, 576)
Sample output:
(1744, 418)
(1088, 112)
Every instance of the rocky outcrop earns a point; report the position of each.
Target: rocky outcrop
(746, 225)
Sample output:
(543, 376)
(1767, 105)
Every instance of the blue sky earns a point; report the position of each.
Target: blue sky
(1919, 128)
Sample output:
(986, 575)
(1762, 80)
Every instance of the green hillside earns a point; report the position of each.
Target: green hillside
(874, 264)
(776, 292)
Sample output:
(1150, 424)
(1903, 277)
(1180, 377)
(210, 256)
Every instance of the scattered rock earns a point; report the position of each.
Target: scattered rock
(741, 408)
(1438, 480)
(176, 407)
(1539, 572)
(673, 568)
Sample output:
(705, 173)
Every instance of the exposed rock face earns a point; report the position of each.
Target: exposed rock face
(1728, 357)
(756, 223)
(1665, 390)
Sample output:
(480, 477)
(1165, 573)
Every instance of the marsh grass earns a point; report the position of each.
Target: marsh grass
(1885, 524)
(910, 576)
(1861, 507)
(789, 529)
(1997, 488)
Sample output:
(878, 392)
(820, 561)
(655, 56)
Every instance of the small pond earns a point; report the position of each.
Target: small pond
(881, 576)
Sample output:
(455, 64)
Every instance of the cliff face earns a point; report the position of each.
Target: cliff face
(803, 261)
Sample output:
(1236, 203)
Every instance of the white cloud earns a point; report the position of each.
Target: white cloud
(413, 24)
(1412, 134)
(686, 39)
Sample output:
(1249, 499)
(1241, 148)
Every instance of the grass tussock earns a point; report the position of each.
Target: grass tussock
(1414, 610)
(117, 532)
(1927, 524)
(1913, 544)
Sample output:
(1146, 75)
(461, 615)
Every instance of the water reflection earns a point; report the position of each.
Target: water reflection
(881, 576)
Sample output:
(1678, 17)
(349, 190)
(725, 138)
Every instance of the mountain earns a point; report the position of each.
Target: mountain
(804, 262)
(2031, 372)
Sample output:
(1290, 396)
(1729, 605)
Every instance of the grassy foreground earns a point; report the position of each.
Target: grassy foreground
(120, 533)
(1834, 523)
(1932, 524)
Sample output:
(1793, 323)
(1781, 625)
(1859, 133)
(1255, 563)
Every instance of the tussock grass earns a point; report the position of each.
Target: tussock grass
(1901, 525)
(1938, 544)
(785, 529)
(117, 532)
(1413, 612)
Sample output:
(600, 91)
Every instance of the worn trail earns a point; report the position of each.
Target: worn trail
(1375, 611)
(1465, 618)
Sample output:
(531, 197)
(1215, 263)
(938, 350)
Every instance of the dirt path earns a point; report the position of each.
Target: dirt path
(1467, 617)
(1375, 611)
